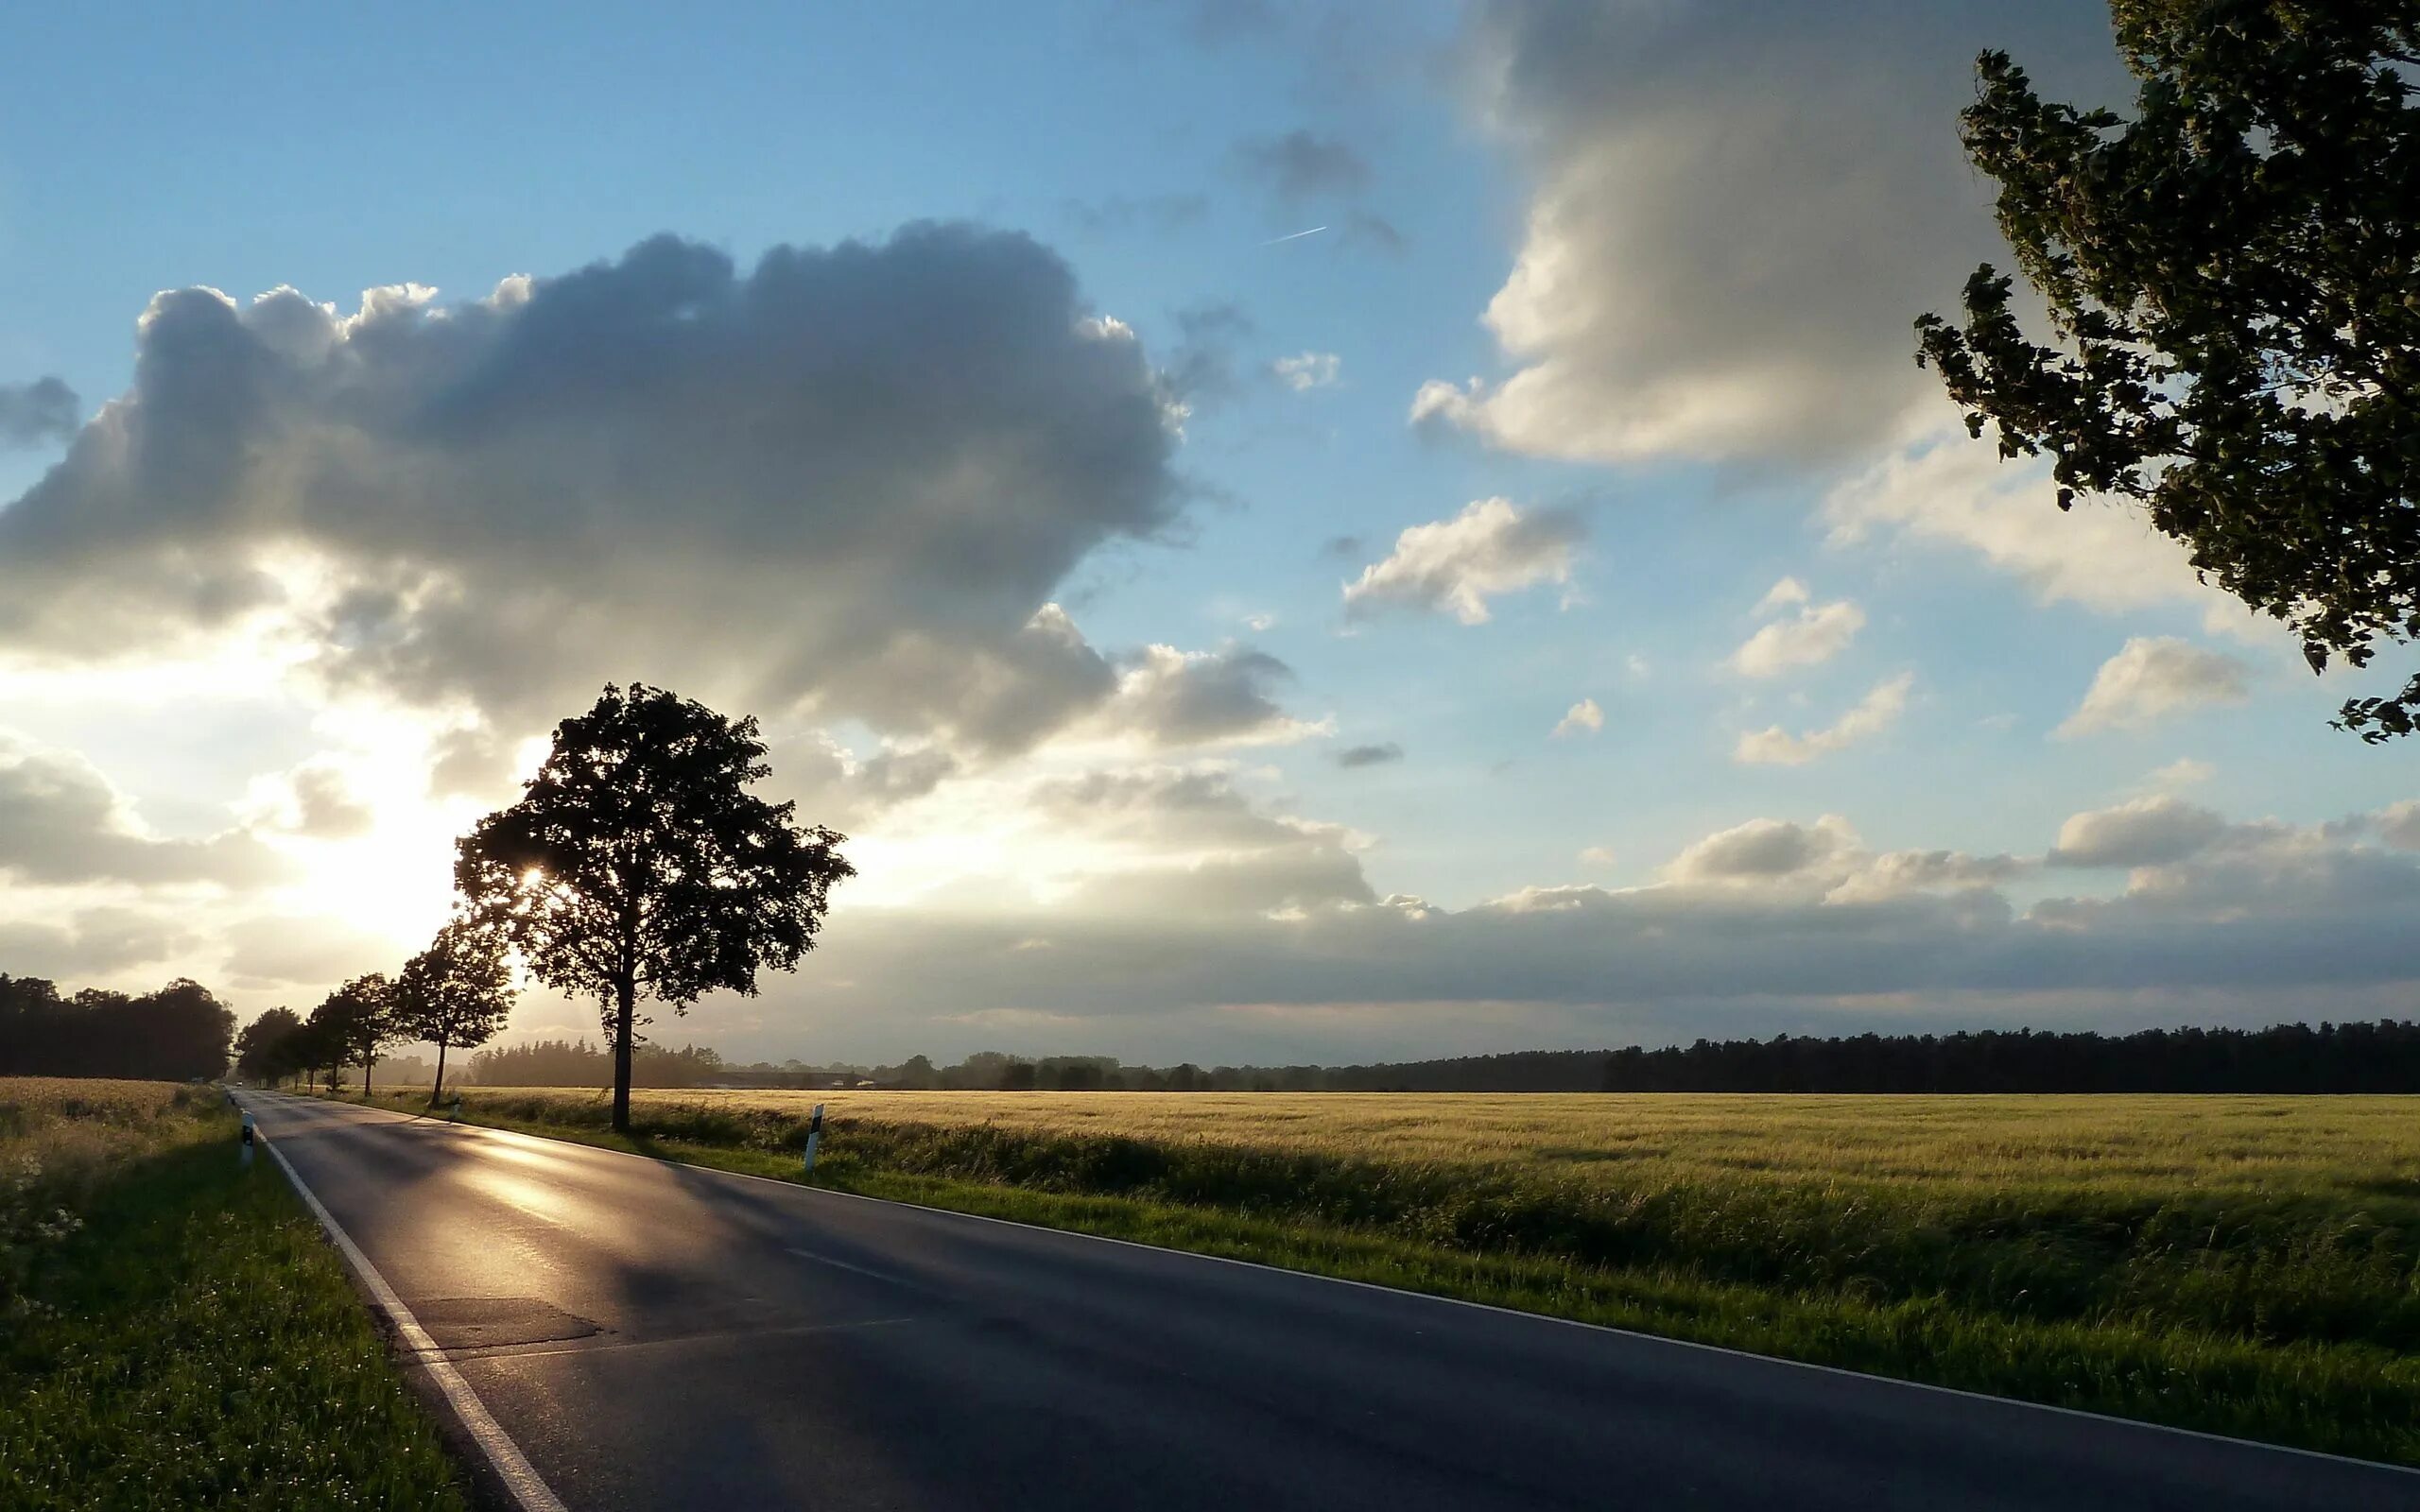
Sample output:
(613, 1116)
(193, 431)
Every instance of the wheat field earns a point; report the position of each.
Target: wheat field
(2358, 1149)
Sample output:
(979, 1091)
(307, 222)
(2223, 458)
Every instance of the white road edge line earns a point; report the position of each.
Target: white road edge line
(527, 1487)
(1452, 1301)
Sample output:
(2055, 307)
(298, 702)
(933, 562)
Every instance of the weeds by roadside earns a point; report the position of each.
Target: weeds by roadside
(182, 1336)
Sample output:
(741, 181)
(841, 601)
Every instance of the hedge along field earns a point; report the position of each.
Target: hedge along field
(2242, 1265)
(174, 1331)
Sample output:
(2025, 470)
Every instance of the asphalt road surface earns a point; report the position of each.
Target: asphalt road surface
(654, 1336)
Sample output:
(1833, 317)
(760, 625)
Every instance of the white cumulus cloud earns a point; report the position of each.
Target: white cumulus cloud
(1455, 566)
(2153, 677)
(1872, 714)
(1583, 717)
(1810, 637)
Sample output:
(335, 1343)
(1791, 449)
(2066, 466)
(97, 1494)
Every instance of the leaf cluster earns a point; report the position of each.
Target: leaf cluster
(2233, 277)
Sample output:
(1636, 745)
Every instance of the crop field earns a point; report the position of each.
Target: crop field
(2358, 1148)
(2247, 1266)
(174, 1333)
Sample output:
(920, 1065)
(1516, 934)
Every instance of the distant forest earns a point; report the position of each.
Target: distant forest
(182, 1031)
(2383, 1057)
(178, 1033)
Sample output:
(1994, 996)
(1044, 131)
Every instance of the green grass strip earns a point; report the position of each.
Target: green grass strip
(198, 1343)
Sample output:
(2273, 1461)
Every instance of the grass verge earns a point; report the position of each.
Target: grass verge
(178, 1333)
(2278, 1318)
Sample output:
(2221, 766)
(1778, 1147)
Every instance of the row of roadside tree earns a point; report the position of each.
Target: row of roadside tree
(455, 994)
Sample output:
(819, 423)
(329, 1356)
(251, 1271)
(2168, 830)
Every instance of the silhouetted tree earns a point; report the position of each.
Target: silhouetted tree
(262, 1050)
(638, 863)
(458, 992)
(2230, 276)
(180, 1032)
(355, 1023)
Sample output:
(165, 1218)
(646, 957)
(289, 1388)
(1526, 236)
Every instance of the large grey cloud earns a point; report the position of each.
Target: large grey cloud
(1770, 924)
(1735, 213)
(843, 483)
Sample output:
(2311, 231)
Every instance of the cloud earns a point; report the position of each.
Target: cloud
(1597, 856)
(1763, 850)
(2399, 825)
(1302, 164)
(1812, 636)
(1191, 845)
(1362, 229)
(1782, 594)
(2184, 772)
(1729, 229)
(1200, 368)
(1307, 371)
(2153, 677)
(62, 822)
(38, 412)
(1195, 923)
(1166, 698)
(314, 801)
(1163, 215)
(2146, 831)
(1873, 714)
(843, 483)
(1949, 490)
(92, 942)
(1357, 756)
(1897, 874)
(1454, 566)
(1582, 718)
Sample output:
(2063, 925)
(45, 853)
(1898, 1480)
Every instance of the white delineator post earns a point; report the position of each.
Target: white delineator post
(814, 1135)
(246, 1146)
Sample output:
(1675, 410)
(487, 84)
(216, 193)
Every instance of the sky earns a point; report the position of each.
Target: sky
(1281, 533)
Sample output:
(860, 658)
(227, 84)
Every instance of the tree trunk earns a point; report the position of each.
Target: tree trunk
(625, 1010)
(440, 1074)
(367, 1061)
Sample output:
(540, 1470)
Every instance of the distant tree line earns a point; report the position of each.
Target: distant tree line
(577, 1063)
(176, 1034)
(2288, 1057)
(2382, 1057)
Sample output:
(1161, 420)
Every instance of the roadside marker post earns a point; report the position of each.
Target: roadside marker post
(814, 1135)
(246, 1146)
(458, 1109)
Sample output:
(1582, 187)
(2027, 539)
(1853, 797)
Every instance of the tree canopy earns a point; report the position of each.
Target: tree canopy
(354, 1023)
(2233, 280)
(269, 1047)
(637, 864)
(458, 992)
(180, 1032)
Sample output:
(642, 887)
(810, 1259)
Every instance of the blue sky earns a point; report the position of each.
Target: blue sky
(1675, 253)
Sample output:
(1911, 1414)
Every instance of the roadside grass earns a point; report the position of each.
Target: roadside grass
(174, 1331)
(2248, 1266)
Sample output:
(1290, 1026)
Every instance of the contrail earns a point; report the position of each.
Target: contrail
(1295, 237)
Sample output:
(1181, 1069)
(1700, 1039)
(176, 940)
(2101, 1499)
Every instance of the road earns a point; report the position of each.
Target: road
(655, 1337)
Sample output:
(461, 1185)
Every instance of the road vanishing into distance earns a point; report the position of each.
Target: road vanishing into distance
(654, 1336)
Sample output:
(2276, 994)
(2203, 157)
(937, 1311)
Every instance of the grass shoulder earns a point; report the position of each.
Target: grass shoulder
(2283, 1318)
(180, 1334)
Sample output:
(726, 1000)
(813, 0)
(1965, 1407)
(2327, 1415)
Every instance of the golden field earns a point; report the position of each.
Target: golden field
(2350, 1148)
